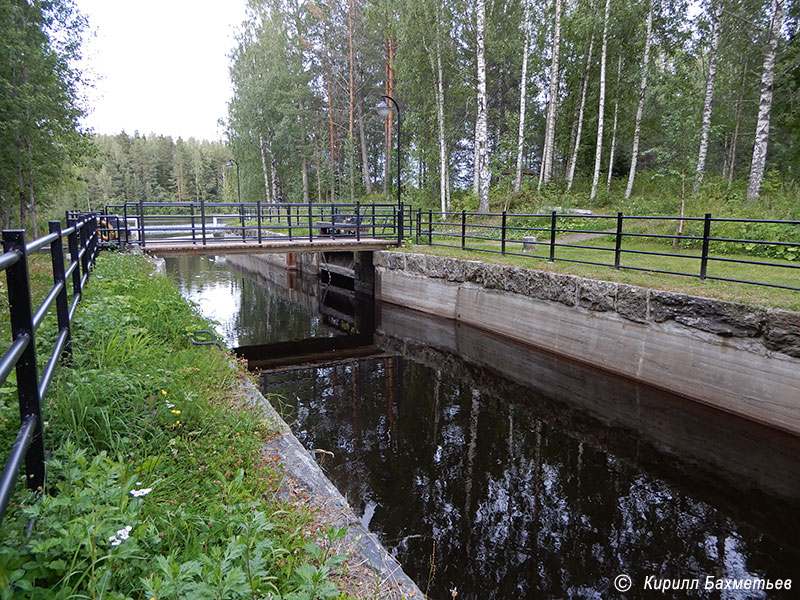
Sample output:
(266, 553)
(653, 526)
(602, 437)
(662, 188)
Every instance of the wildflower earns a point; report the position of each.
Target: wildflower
(175, 412)
(141, 492)
(163, 392)
(122, 535)
(169, 405)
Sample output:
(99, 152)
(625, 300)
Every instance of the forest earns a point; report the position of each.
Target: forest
(503, 104)
(588, 101)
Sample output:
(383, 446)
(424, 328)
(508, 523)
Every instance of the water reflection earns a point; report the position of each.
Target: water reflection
(252, 304)
(483, 494)
(505, 473)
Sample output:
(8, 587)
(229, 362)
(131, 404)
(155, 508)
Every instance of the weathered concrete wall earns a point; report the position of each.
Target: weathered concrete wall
(738, 358)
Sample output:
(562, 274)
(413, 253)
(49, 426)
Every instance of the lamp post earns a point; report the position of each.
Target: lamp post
(230, 163)
(384, 110)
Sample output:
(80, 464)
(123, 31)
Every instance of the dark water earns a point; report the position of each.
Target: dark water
(506, 473)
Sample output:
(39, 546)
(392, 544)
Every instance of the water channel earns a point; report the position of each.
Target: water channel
(490, 468)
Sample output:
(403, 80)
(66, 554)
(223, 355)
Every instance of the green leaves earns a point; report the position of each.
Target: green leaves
(205, 528)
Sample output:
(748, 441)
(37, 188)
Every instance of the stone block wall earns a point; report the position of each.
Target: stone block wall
(776, 330)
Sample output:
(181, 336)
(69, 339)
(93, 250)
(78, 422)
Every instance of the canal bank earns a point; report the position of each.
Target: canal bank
(741, 359)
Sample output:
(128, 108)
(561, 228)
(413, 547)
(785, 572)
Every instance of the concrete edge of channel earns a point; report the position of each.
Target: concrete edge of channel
(376, 568)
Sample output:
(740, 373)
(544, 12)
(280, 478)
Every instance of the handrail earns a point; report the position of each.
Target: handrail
(148, 224)
(479, 232)
(82, 241)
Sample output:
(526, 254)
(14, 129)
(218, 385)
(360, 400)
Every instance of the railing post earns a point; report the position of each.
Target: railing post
(191, 212)
(141, 223)
(19, 301)
(706, 235)
(419, 224)
(463, 229)
(288, 220)
(72, 244)
(124, 220)
(373, 219)
(310, 224)
(400, 224)
(94, 242)
(552, 237)
(203, 219)
(241, 219)
(618, 248)
(358, 221)
(84, 248)
(503, 234)
(258, 222)
(430, 227)
(62, 307)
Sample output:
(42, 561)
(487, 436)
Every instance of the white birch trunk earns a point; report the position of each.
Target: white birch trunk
(444, 167)
(759, 161)
(579, 128)
(614, 126)
(265, 169)
(705, 127)
(523, 89)
(552, 108)
(637, 129)
(598, 153)
(481, 126)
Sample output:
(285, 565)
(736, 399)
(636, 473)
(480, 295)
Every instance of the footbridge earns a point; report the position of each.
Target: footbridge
(169, 228)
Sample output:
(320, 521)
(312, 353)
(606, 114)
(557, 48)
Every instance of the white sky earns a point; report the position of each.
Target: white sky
(159, 66)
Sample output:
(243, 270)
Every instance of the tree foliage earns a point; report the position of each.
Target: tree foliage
(40, 103)
(292, 65)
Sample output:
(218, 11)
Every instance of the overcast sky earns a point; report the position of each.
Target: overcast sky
(160, 66)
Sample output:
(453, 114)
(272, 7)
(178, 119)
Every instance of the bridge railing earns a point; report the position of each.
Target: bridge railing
(721, 249)
(82, 244)
(201, 223)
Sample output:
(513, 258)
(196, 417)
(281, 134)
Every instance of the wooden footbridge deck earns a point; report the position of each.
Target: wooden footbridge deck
(187, 228)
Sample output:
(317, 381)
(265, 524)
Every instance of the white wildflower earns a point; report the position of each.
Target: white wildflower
(141, 492)
(122, 535)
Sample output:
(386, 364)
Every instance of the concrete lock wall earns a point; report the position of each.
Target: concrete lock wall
(738, 358)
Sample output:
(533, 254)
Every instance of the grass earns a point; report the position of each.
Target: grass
(157, 487)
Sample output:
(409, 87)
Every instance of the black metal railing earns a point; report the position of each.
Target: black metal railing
(628, 241)
(82, 244)
(201, 223)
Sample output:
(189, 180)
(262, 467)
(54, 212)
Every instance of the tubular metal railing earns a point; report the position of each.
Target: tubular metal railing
(201, 223)
(82, 244)
(528, 234)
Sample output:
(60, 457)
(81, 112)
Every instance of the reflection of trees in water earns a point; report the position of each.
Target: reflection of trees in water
(264, 310)
(516, 507)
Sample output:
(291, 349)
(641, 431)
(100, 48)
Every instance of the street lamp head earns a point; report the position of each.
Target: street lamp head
(229, 164)
(383, 109)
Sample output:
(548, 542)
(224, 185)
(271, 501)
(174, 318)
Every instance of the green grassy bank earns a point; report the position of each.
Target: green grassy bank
(157, 487)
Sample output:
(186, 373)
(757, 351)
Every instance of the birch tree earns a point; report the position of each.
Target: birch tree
(705, 126)
(481, 126)
(601, 104)
(637, 128)
(552, 106)
(758, 163)
(523, 88)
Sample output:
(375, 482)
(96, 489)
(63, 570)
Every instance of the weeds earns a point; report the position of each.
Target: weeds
(157, 487)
